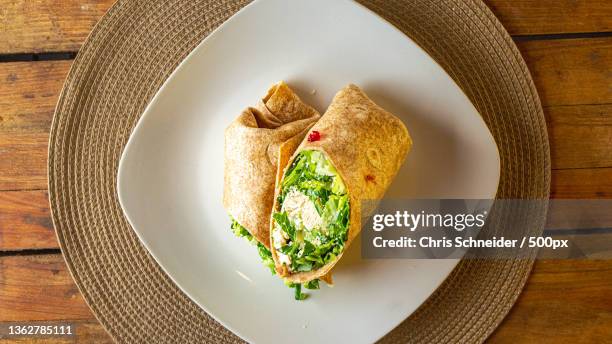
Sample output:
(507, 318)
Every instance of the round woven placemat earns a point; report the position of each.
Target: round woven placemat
(132, 51)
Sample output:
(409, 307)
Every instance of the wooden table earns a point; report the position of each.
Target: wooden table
(566, 43)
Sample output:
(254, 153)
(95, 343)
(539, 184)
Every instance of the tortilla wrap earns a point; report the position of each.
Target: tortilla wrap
(252, 144)
(367, 146)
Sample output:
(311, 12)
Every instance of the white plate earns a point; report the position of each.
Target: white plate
(171, 174)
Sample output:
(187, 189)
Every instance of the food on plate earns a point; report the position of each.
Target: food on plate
(294, 180)
(351, 154)
(252, 144)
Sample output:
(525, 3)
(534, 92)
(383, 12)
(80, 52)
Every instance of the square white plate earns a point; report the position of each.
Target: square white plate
(171, 173)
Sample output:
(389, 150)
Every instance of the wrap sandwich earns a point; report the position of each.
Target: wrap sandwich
(252, 144)
(351, 154)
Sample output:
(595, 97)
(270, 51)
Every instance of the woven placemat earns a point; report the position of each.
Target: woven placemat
(126, 59)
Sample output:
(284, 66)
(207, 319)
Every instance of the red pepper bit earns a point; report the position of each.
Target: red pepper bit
(314, 136)
(370, 178)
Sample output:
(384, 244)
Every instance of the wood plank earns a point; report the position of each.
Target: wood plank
(28, 94)
(47, 25)
(580, 136)
(85, 331)
(582, 183)
(532, 17)
(565, 301)
(25, 221)
(24, 161)
(571, 71)
(39, 288)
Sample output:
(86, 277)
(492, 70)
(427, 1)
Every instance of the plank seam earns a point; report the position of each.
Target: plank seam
(31, 252)
(29, 57)
(558, 36)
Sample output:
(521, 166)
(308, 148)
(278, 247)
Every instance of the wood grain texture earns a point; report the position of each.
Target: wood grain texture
(564, 301)
(39, 288)
(50, 25)
(28, 94)
(531, 17)
(571, 71)
(47, 25)
(580, 136)
(581, 183)
(25, 221)
(24, 161)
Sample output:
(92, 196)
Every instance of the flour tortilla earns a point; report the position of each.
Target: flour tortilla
(252, 144)
(366, 144)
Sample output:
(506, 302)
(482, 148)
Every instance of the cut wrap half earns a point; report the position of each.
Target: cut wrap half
(252, 144)
(351, 154)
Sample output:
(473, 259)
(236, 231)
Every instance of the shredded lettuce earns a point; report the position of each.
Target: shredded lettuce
(297, 291)
(264, 253)
(240, 231)
(314, 284)
(266, 257)
(313, 175)
(283, 221)
(297, 288)
(268, 261)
